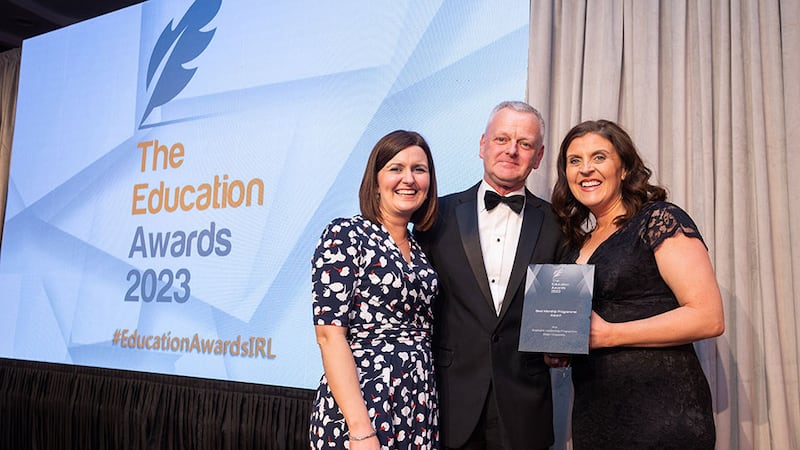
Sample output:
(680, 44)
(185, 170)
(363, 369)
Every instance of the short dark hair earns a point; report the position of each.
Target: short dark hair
(386, 149)
(636, 188)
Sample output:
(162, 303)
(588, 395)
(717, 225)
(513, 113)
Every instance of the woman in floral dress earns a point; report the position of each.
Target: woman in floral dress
(372, 291)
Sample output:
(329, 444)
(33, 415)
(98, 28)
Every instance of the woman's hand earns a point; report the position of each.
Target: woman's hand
(342, 375)
(556, 360)
(599, 332)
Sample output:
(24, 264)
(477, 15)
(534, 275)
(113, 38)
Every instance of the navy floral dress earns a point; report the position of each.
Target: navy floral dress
(361, 281)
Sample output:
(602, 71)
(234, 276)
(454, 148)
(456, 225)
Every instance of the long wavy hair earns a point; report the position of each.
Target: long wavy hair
(636, 188)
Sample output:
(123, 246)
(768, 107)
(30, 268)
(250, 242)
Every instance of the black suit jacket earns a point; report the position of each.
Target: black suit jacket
(473, 346)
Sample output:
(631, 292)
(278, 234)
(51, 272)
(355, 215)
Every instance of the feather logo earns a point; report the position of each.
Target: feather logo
(174, 48)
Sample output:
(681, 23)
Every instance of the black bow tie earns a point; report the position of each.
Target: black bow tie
(492, 199)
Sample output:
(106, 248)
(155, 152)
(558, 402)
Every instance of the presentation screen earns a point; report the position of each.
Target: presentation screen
(175, 162)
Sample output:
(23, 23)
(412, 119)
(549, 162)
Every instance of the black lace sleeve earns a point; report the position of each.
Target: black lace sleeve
(662, 220)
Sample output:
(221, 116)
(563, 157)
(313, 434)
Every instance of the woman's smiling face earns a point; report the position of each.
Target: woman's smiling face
(595, 173)
(403, 183)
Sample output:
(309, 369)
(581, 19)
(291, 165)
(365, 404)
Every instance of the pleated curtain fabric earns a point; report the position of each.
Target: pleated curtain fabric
(9, 78)
(710, 92)
(52, 406)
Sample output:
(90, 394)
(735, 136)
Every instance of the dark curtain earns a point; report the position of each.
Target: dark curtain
(56, 406)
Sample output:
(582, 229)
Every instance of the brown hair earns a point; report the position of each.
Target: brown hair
(636, 188)
(386, 149)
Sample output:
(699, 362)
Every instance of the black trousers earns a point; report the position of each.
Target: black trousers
(488, 433)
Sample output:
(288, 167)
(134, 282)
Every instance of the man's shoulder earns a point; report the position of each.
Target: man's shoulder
(538, 202)
(445, 217)
(535, 198)
(455, 198)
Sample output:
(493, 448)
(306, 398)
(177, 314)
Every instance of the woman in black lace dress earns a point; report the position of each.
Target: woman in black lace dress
(641, 386)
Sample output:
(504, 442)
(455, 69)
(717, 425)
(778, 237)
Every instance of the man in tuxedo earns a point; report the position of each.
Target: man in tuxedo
(491, 395)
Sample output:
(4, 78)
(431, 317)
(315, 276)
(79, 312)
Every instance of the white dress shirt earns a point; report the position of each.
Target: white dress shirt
(499, 231)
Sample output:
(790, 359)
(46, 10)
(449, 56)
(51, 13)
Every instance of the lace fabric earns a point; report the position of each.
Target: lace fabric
(663, 221)
(633, 398)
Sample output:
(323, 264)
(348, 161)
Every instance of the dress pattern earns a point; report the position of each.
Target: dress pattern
(361, 281)
(634, 397)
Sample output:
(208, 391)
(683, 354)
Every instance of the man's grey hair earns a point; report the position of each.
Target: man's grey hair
(522, 107)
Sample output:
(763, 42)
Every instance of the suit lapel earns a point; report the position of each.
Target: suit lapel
(467, 218)
(528, 236)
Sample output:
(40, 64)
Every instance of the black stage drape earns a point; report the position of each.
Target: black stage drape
(59, 406)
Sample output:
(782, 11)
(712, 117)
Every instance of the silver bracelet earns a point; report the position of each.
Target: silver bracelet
(366, 436)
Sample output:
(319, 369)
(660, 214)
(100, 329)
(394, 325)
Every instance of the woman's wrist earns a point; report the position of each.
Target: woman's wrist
(363, 436)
